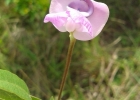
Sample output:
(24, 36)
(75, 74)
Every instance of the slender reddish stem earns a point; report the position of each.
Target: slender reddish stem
(67, 65)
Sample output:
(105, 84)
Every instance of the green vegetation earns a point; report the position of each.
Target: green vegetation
(105, 68)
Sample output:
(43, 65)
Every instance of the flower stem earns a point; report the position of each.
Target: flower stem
(67, 65)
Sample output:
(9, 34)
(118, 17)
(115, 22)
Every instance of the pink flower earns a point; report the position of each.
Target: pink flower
(84, 18)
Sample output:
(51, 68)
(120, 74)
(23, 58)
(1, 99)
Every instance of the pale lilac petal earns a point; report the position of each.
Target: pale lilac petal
(83, 30)
(86, 26)
(57, 19)
(70, 25)
(59, 5)
(84, 6)
(83, 36)
(90, 8)
(56, 7)
(99, 17)
(79, 5)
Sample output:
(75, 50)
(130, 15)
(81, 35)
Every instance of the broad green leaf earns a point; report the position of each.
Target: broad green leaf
(12, 78)
(35, 98)
(11, 86)
(4, 95)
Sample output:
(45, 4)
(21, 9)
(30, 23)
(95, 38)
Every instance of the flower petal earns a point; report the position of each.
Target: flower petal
(57, 19)
(70, 25)
(83, 30)
(90, 8)
(99, 17)
(59, 5)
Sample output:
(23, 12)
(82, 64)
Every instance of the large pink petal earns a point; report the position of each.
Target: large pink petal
(57, 19)
(99, 17)
(83, 36)
(59, 5)
(83, 30)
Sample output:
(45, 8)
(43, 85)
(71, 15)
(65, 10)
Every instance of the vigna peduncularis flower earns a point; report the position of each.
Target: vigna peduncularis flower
(83, 19)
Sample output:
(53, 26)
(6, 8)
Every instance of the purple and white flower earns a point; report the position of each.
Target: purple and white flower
(84, 18)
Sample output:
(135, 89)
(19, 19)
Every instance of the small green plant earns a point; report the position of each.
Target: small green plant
(13, 88)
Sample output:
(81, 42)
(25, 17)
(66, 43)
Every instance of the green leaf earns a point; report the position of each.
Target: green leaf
(35, 98)
(12, 87)
(4, 95)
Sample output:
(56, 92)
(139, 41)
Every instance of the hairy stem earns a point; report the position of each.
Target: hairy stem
(67, 65)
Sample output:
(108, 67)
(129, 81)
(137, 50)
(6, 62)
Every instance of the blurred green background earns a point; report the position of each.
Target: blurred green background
(105, 68)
